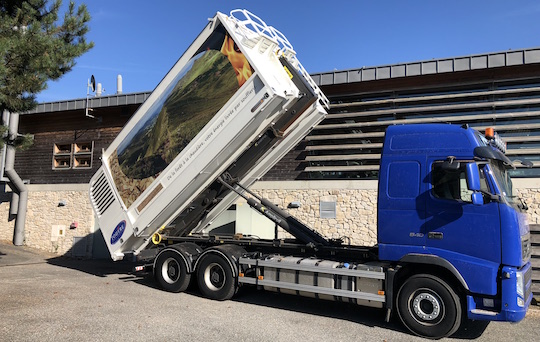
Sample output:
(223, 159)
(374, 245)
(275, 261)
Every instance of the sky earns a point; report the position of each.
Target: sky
(141, 40)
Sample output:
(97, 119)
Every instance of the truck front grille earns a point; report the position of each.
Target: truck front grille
(526, 247)
(101, 194)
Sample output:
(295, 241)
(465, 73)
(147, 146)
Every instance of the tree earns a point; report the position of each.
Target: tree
(36, 48)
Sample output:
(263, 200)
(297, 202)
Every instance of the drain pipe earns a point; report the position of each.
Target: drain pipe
(14, 203)
(17, 183)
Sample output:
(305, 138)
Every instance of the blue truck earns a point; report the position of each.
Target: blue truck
(453, 239)
(448, 218)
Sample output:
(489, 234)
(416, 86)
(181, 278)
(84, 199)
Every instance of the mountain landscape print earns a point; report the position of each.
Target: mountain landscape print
(199, 91)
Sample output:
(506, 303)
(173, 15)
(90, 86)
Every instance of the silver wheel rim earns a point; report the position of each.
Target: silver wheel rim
(214, 276)
(170, 271)
(427, 306)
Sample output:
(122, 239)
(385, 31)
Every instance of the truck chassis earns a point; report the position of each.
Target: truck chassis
(427, 298)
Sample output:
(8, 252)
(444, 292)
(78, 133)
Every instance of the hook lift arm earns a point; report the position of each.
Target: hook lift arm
(277, 215)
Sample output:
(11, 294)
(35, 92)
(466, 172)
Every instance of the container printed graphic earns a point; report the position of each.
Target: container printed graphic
(211, 77)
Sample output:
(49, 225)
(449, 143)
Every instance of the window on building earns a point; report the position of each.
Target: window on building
(72, 156)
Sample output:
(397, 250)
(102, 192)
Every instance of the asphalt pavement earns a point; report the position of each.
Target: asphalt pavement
(48, 298)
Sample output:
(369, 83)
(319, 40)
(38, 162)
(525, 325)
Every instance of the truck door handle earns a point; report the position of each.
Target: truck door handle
(435, 235)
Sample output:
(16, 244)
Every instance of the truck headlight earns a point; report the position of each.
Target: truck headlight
(520, 287)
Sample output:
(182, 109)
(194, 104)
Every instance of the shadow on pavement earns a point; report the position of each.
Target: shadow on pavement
(371, 317)
(100, 265)
(471, 329)
(11, 255)
(97, 267)
(367, 316)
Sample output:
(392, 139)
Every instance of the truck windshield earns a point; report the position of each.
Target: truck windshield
(503, 180)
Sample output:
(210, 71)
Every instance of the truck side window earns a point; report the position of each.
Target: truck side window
(450, 185)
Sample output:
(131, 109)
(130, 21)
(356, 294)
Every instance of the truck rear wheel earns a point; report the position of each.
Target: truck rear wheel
(171, 272)
(215, 277)
(428, 306)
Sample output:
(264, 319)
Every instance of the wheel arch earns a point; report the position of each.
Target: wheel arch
(230, 253)
(189, 252)
(412, 264)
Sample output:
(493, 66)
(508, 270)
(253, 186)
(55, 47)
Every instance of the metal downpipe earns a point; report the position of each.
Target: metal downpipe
(17, 183)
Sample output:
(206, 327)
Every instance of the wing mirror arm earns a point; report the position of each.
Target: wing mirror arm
(473, 183)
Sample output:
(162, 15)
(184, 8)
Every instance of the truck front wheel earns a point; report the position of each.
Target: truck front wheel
(428, 306)
(171, 272)
(215, 278)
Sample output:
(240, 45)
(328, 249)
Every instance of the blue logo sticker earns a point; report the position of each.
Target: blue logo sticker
(118, 232)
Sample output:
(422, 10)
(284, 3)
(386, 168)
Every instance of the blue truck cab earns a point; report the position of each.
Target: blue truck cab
(446, 205)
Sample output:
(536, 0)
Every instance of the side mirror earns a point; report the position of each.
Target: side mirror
(473, 177)
(477, 198)
(473, 183)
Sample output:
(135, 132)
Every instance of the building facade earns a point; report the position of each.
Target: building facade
(332, 173)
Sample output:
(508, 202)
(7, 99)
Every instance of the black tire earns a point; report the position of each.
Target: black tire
(215, 277)
(429, 307)
(170, 271)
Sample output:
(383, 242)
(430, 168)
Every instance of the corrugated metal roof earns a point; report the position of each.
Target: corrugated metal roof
(93, 102)
(433, 66)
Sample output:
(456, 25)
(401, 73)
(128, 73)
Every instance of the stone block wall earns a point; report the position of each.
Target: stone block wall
(59, 219)
(356, 207)
(6, 222)
(48, 220)
(532, 199)
(356, 204)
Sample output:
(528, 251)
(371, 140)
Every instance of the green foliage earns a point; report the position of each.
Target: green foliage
(3, 135)
(24, 142)
(35, 48)
(21, 142)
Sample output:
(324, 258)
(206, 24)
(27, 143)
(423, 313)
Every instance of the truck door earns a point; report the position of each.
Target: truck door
(465, 234)
(401, 211)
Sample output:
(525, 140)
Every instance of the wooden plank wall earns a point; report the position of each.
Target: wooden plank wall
(68, 127)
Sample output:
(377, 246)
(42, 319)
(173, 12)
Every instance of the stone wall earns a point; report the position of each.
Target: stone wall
(356, 206)
(52, 209)
(59, 219)
(529, 190)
